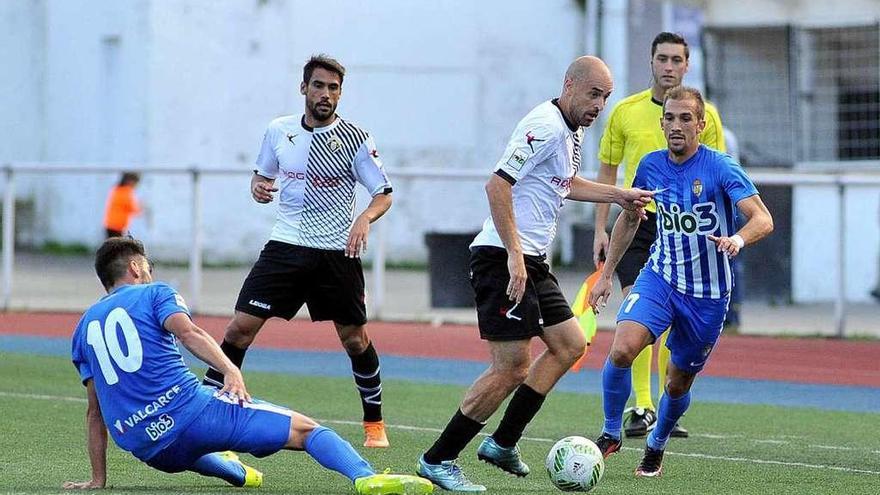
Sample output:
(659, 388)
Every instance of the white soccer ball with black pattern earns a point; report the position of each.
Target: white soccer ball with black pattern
(575, 464)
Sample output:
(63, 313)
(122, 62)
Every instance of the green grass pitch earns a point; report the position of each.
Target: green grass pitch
(736, 448)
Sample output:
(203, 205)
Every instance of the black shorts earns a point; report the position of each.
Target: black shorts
(636, 255)
(500, 319)
(287, 276)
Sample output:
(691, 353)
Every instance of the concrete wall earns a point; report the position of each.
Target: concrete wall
(22, 48)
(439, 84)
(815, 210)
(754, 13)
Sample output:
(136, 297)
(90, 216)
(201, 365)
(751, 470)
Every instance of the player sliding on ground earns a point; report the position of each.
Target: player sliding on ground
(687, 281)
(155, 408)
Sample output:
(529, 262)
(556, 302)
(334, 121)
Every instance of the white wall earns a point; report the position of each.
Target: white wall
(95, 82)
(803, 12)
(439, 84)
(22, 44)
(815, 210)
(815, 223)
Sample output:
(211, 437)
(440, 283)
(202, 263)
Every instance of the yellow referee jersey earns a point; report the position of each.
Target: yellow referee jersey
(633, 130)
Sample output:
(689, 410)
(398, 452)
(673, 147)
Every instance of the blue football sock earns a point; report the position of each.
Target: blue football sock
(616, 387)
(214, 465)
(668, 414)
(332, 452)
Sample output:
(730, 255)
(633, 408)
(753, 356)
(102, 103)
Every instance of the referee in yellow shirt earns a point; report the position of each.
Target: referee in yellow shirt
(633, 130)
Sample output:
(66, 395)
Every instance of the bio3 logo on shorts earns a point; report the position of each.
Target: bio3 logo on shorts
(702, 220)
(161, 426)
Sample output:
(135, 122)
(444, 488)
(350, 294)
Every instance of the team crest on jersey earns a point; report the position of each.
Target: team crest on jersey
(334, 144)
(697, 187)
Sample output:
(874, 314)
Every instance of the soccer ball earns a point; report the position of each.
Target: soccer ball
(575, 464)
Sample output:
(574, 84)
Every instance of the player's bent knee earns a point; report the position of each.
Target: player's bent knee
(354, 338)
(576, 351)
(509, 377)
(677, 386)
(300, 428)
(243, 329)
(622, 357)
(676, 390)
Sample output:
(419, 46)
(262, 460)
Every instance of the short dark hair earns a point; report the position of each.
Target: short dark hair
(674, 38)
(325, 62)
(129, 177)
(686, 93)
(111, 260)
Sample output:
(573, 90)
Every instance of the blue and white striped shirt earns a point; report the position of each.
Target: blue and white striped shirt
(695, 199)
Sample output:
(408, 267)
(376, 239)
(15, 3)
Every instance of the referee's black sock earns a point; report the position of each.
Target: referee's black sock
(214, 378)
(365, 369)
(522, 408)
(460, 430)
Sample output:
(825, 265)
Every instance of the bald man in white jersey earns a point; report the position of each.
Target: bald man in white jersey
(516, 295)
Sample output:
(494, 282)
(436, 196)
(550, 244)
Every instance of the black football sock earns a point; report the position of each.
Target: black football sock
(365, 368)
(524, 405)
(214, 378)
(460, 430)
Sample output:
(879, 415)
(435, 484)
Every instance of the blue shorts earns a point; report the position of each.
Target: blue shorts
(696, 322)
(258, 428)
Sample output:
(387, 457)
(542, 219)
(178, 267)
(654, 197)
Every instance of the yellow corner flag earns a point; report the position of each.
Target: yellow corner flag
(584, 313)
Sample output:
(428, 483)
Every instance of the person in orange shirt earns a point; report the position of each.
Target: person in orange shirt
(121, 205)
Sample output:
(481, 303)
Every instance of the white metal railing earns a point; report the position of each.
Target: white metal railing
(778, 177)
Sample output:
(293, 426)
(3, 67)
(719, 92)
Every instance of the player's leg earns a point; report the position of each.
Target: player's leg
(630, 338)
(642, 317)
(510, 364)
(508, 326)
(240, 333)
(228, 467)
(663, 357)
(339, 296)
(508, 369)
(696, 326)
(673, 404)
(565, 345)
(276, 286)
(641, 418)
(194, 451)
(261, 429)
(365, 369)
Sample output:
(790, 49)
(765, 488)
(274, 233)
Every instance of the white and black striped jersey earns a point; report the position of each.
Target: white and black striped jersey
(315, 171)
(540, 161)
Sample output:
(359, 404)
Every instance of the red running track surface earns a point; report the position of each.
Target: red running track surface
(812, 360)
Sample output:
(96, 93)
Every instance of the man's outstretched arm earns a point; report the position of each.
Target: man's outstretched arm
(96, 436)
(204, 347)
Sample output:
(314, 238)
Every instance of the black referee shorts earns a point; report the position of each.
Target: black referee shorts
(501, 319)
(287, 276)
(639, 250)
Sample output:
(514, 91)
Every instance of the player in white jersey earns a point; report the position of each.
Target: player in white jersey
(687, 280)
(517, 297)
(313, 161)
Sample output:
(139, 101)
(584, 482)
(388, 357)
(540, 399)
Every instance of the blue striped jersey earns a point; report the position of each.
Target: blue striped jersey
(695, 199)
